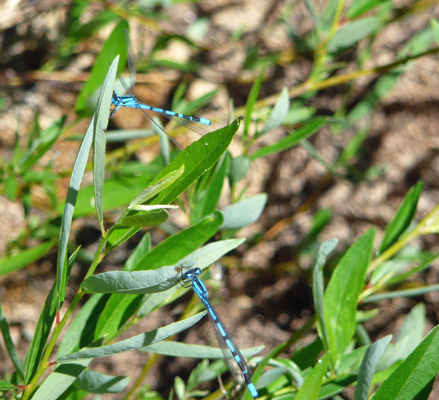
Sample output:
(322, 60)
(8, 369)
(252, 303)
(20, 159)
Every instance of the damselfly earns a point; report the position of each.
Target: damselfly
(130, 100)
(239, 368)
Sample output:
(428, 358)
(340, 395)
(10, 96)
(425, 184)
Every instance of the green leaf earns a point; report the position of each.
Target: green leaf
(290, 140)
(102, 115)
(10, 186)
(113, 47)
(418, 291)
(145, 218)
(244, 212)
(251, 101)
(41, 334)
(42, 144)
(352, 32)
(168, 252)
(341, 296)
(135, 343)
(81, 331)
(177, 349)
(367, 369)
(197, 159)
(313, 382)
(5, 386)
(94, 382)
(24, 258)
(10, 347)
(208, 199)
(360, 7)
(238, 169)
(402, 218)
(414, 377)
(60, 380)
(323, 252)
(435, 28)
(75, 183)
(280, 111)
(131, 282)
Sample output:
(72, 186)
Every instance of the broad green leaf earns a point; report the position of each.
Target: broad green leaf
(24, 258)
(10, 347)
(435, 28)
(280, 111)
(291, 140)
(143, 247)
(75, 183)
(135, 343)
(131, 282)
(177, 349)
(402, 218)
(113, 47)
(119, 232)
(251, 101)
(60, 380)
(197, 159)
(94, 382)
(352, 32)
(368, 366)
(244, 212)
(414, 377)
(341, 295)
(318, 287)
(168, 252)
(313, 382)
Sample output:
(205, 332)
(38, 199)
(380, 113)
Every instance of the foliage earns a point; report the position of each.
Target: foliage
(342, 354)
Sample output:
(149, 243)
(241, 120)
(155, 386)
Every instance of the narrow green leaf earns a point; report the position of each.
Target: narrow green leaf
(75, 183)
(280, 111)
(360, 7)
(10, 347)
(208, 200)
(197, 159)
(251, 101)
(94, 382)
(60, 380)
(352, 32)
(10, 187)
(291, 140)
(419, 291)
(402, 218)
(373, 354)
(99, 139)
(135, 343)
(414, 378)
(313, 382)
(341, 296)
(143, 247)
(323, 252)
(113, 47)
(41, 335)
(24, 258)
(131, 282)
(177, 349)
(244, 212)
(5, 386)
(42, 144)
